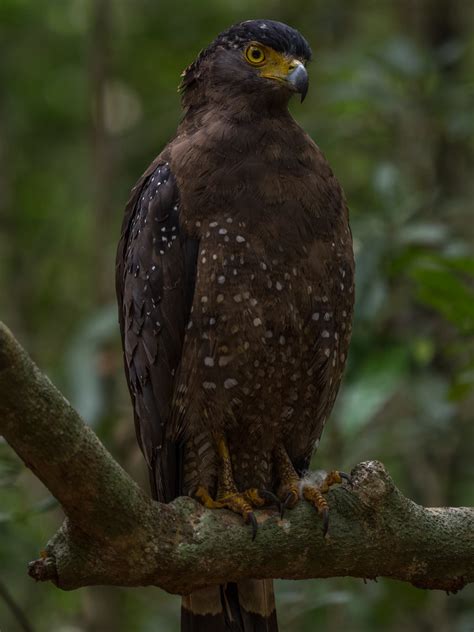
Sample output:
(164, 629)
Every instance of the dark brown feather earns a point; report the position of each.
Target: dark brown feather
(240, 326)
(156, 267)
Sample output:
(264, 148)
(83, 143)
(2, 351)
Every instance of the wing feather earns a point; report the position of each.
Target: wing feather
(155, 280)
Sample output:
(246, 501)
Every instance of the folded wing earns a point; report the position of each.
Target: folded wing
(155, 279)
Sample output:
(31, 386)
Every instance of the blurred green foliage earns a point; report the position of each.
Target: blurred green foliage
(88, 98)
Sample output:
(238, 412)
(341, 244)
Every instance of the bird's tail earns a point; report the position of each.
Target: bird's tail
(246, 606)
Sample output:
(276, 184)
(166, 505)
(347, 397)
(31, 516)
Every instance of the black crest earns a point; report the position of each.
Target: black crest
(277, 35)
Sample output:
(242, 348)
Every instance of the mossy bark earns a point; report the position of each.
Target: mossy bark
(114, 534)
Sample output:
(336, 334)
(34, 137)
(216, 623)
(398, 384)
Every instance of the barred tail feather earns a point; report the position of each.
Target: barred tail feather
(257, 605)
(246, 606)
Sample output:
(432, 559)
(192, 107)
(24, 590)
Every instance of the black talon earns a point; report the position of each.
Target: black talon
(251, 518)
(325, 513)
(271, 497)
(347, 478)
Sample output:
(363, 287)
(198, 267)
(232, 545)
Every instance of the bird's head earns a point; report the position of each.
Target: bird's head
(256, 60)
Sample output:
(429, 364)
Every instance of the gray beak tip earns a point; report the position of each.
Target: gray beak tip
(298, 78)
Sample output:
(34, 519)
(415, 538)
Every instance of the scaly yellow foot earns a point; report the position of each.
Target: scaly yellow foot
(314, 494)
(292, 486)
(228, 497)
(241, 503)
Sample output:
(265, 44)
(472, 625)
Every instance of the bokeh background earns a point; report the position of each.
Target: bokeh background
(87, 99)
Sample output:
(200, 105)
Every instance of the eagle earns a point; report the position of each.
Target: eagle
(235, 286)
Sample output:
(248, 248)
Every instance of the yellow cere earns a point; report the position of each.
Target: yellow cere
(273, 65)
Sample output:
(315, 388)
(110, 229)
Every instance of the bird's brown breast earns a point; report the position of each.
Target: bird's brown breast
(270, 324)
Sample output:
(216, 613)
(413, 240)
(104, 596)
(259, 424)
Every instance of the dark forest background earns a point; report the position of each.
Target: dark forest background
(87, 99)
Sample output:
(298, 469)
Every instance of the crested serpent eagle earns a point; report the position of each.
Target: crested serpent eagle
(235, 284)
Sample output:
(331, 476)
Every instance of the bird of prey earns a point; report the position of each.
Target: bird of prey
(235, 284)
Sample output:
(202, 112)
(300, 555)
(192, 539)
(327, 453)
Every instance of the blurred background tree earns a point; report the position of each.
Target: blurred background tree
(88, 98)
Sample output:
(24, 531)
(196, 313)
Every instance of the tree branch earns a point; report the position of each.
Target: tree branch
(114, 534)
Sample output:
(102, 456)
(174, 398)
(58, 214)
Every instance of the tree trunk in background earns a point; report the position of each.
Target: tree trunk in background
(441, 162)
(10, 254)
(101, 604)
(438, 27)
(102, 159)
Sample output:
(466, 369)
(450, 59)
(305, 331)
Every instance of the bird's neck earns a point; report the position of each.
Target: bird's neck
(200, 103)
(234, 129)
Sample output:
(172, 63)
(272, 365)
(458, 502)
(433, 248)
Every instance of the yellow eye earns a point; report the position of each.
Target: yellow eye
(255, 55)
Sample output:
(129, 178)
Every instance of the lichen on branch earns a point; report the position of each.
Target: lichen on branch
(114, 534)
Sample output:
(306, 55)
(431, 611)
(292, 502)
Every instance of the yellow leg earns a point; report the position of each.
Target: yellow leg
(292, 487)
(228, 497)
(289, 490)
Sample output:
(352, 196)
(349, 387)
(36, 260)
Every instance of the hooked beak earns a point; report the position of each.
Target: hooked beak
(298, 79)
